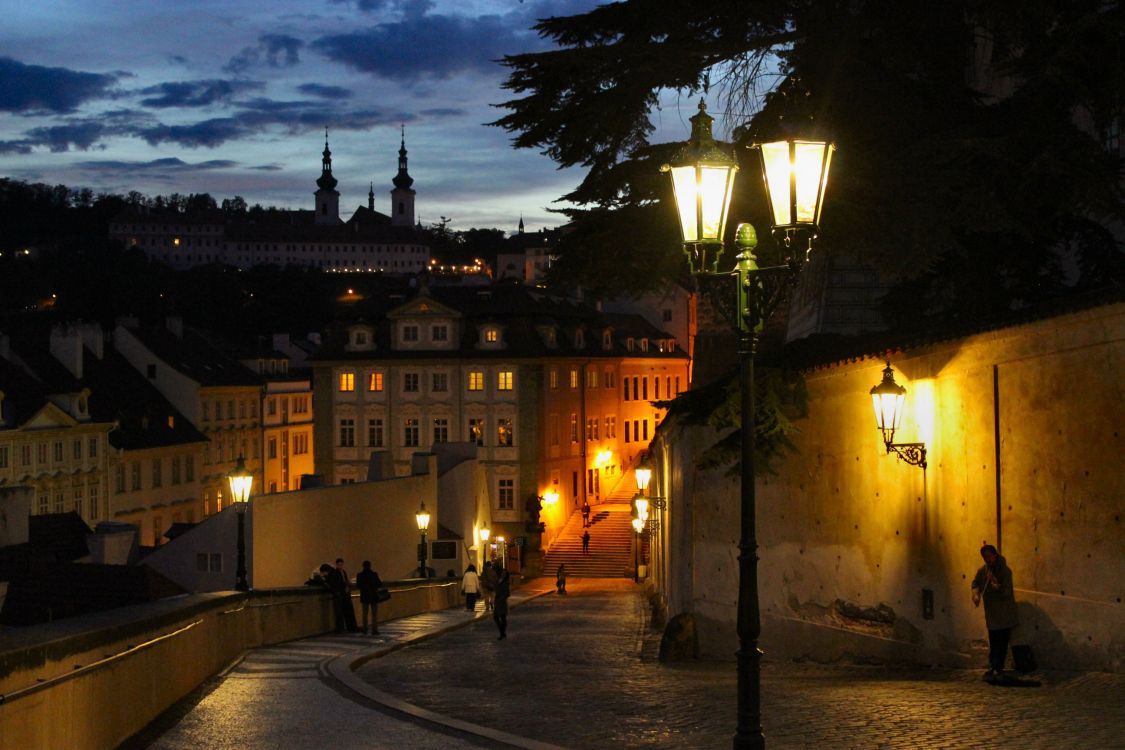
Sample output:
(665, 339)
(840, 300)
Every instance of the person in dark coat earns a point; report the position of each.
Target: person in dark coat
(585, 514)
(368, 582)
(488, 579)
(560, 578)
(993, 584)
(340, 586)
(334, 582)
(500, 606)
(586, 542)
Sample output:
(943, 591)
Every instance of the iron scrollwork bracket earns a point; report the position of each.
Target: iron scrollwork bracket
(912, 453)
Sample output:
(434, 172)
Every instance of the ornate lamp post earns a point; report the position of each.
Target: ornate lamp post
(241, 479)
(796, 174)
(638, 528)
(485, 533)
(887, 398)
(423, 519)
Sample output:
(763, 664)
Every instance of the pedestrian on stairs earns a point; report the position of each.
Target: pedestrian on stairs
(585, 514)
(586, 542)
(560, 578)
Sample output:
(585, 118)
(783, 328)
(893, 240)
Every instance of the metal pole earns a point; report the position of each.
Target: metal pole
(748, 735)
(636, 555)
(423, 573)
(240, 582)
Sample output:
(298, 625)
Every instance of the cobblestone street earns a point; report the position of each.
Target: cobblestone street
(575, 671)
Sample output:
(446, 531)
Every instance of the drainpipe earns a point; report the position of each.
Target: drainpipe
(996, 458)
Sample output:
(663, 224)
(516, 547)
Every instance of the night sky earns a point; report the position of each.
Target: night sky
(232, 98)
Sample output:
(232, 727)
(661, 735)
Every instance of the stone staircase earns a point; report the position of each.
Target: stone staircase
(611, 545)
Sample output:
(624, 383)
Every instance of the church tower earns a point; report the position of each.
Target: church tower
(402, 197)
(327, 199)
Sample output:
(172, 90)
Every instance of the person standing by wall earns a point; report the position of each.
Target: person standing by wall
(368, 582)
(346, 604)
(993, 584)
(500, 608)
(470, 587)
(586, 542)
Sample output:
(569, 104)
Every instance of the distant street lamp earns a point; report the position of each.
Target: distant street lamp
(638, 527)
(887, 398)
(485, 533)
(241, 479)
(423, 519)
(796, 175)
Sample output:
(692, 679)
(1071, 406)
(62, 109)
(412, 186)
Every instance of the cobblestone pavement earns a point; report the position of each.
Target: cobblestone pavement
(578, 671)
(282, 697)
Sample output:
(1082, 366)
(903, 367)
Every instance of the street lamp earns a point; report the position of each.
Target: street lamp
(887, 398)
(796, 175)
(423, 519)
(550, 498)
(241, 479)
(485, 533)
(638, 527)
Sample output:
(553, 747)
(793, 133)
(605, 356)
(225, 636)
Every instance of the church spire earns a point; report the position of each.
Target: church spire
(326, 180)
(371, 197)
(521, 224)
(403, 178)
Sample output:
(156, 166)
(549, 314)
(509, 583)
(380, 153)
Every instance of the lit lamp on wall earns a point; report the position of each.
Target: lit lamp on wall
(423, 519)
(241, 480)
(550, 498)
(796, 176)
(888, 398)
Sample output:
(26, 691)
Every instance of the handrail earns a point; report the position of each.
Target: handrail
(81, 670)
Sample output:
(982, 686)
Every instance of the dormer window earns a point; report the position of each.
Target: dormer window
(579, 339)
(629, 342)
(644, 345)
(491, 336)
(607, 339)
(410, 333)
(439, 333)
(360, 338)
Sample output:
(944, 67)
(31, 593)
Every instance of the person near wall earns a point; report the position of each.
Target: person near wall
(585, 514)
(334, 582)
(368, 582)
(586, 542)
(346, 604)
(560, 578)
(488, 584)
(470, 587)
(993, 585)
(500, 608)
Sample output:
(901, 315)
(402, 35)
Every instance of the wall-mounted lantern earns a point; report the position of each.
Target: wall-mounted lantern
(887, 398)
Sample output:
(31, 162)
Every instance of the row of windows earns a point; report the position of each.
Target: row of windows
(412, 432)
(181, 469)
(439, 381)
(83, 499)
(411, 333)
(45, 453)
(214, 451)
(288, 405)
(246, 408)
(639, 389)
(300, 445)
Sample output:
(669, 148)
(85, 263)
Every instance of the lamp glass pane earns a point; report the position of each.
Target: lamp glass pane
(775, 162)
(888, 411)
(687, 197)
(240, 487)
(423, 519)
(714, 184)
(644, 476)
(808, 159)
(638, 524)
(642, 507)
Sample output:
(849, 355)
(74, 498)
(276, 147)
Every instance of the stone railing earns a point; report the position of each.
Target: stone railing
(94, 681)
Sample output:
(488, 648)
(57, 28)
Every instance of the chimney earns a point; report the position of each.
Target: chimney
(66, 347)
(93, 338)
(175, 324)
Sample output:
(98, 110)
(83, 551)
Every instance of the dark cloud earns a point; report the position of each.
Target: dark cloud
(22, 146)
(160, 165)
(274, 50)
(207, 133)
(196, 93)
(267, 168)
(424, 47)
(32, 88)
(325, 92)
(442, 112)
(58, 138)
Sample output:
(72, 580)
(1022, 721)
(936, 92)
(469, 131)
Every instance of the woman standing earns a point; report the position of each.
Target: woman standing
(470, 587)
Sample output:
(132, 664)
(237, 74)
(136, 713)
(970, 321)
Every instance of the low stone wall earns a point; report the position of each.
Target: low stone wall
(92, 682)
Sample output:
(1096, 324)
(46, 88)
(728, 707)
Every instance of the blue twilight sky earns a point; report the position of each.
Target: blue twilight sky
(231, 97)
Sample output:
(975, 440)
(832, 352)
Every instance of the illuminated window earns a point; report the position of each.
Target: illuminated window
(553, 378)
(504, 432)
(476, 431)
(573, 377)
(573, 427)
(347, 382)
(476, 380)
(491, 335)
(375, 381)
(504, 380)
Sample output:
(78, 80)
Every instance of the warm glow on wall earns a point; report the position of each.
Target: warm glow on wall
(923, 409)
(550, 497)
(603, 458)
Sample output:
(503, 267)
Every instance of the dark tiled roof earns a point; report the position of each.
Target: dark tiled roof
(24, 395)
(60, 536)
(145, 419)
(44, 591)
(195, 356)
(520, 310)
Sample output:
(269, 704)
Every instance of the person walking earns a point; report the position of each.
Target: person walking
(560, 578)
(993, 585)
(488, 584)
(470, 587)
(368, 582)
(585, 514)
(346, 604)
(500, 608)
(586, 542)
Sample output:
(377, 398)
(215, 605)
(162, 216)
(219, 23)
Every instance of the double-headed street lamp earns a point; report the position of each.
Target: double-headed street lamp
(241, 480)
(423, 519)
(796, 175)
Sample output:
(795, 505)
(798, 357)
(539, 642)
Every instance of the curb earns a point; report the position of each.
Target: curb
(342, 669)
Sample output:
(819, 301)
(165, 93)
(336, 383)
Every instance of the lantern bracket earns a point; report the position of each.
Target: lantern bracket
(912, 453)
